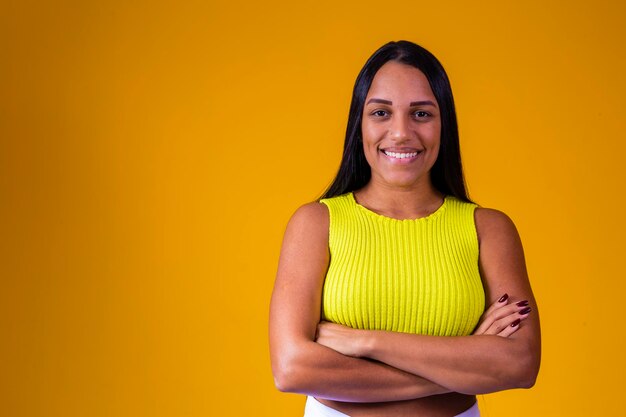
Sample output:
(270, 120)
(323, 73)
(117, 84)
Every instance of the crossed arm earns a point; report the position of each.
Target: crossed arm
(301, 365)
(335, 362)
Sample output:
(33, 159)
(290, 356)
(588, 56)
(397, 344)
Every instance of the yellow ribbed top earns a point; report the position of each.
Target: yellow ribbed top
(414, 276)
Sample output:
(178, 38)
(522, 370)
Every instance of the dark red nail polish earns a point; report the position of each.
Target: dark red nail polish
(503, 298)
(515, 323)
(522, 303)
(525, 311)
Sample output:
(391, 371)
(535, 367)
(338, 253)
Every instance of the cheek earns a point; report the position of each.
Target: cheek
(436, 150)
(370, 143)
(370, 153)
(434, 137)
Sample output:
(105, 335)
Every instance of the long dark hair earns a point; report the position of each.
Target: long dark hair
(447, 172)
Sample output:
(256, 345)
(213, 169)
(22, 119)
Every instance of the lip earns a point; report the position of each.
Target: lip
(401, 149)
(406, 160)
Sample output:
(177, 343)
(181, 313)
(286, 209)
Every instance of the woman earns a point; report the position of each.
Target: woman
(379, 303)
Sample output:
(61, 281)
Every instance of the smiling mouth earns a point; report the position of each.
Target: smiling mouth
(400, 155)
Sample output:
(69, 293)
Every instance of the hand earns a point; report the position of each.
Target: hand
(501, 318)
(343, 339)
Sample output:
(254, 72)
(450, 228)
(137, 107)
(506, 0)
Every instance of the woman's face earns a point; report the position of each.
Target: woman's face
(401, 127)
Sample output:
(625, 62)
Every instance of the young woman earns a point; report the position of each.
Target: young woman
(379, 305)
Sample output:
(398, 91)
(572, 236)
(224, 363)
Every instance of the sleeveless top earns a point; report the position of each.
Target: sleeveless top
(414, 276)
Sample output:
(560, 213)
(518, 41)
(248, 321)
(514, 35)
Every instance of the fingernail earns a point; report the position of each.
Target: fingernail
(515, 323)
(503, 298)
(522, 303)
(525, 311)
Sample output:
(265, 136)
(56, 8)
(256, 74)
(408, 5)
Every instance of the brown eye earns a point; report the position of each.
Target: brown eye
(379, 113)
(421, 114)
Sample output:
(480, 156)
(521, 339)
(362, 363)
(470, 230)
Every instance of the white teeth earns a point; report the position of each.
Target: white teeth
(399, 155)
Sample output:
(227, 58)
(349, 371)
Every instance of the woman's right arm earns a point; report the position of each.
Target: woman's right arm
(301, 365)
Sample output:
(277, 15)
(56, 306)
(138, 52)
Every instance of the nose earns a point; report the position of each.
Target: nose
(400, 129)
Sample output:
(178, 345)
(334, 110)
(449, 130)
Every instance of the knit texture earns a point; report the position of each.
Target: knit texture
(415, 276)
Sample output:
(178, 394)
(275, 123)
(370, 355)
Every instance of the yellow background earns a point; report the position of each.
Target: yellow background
(151, 154)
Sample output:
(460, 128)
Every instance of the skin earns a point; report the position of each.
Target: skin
(400, 115)
(377, 373)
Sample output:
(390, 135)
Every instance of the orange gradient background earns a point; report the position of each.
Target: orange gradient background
(151, 154)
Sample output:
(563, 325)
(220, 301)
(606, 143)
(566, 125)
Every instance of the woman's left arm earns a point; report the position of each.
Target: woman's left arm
(474, 364)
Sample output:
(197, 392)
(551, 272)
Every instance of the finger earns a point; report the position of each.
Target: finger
(498, 310)
(488, 317)
(516, 324)
(511, 328)
(510, 309)
(497, 314)
(499, 303)
(323, 327)
(511, 321)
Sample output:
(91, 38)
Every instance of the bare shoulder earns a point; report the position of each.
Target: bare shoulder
(315, 212)
(490, 218)
(310, 218)
(304, 259)
(501, 256)
(308, 228)
(494, 224)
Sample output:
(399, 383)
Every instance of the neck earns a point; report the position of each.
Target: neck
(400, 202)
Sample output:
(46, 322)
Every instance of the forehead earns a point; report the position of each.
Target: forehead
(400, 81)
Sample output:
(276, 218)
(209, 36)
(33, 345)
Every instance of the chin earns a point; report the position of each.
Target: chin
(402, 182)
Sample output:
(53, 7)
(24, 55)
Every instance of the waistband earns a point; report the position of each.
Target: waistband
(314, 408)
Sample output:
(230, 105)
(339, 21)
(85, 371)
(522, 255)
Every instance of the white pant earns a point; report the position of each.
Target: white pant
(315, 408)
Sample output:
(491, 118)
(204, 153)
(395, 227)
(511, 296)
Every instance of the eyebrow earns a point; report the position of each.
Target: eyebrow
(422, 103)
(379, 100)
(413, 103)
